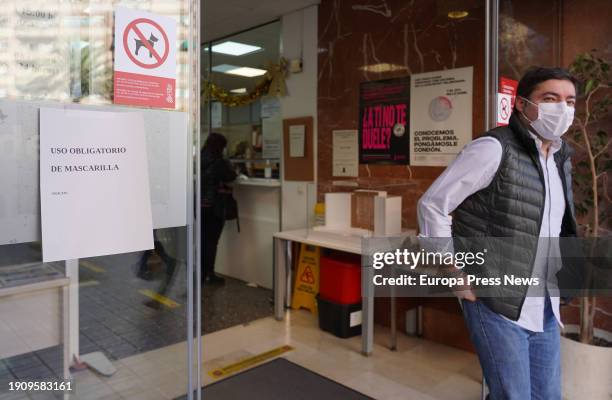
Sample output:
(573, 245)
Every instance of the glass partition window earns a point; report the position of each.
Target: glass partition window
(237, 65)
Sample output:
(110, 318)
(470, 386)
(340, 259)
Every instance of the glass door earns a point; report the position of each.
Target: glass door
(108, 326)
(236, 109)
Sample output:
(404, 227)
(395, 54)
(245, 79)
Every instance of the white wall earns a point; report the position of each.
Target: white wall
(299, 36)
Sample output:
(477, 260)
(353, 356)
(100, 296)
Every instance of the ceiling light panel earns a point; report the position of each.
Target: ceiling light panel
(224, 68)
(235, 48)
(246, 71)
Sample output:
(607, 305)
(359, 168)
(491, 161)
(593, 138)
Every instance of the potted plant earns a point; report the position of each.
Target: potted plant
(587, 359)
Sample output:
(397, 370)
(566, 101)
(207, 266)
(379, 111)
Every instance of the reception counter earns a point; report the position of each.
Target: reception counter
(247, 255)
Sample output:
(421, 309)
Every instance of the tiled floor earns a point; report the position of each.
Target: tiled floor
(115, 319)
(148, 349)
(419, 370)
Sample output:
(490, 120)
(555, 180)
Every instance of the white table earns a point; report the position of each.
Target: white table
(36, 317)
(335, 241)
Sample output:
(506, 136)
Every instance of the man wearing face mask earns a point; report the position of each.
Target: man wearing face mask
(514, 182)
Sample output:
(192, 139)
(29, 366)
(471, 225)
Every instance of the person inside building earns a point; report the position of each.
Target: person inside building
(216, 175)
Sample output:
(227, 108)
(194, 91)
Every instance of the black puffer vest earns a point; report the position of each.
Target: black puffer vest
(512, 207)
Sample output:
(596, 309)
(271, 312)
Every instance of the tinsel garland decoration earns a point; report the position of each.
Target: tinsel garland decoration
(223, 96)
(273, 84)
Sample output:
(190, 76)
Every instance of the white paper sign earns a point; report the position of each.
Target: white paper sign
(216, 114)
(297, 135)
(440, 115)
(355, 319)
(272, 131)
(270, 107)
(345, 153)
(94, 184)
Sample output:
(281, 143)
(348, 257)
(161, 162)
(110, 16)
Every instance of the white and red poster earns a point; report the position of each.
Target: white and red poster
(440, 115)
(505, 100)
(145, 59)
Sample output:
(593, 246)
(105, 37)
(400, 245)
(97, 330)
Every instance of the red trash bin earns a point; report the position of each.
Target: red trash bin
(340, 280)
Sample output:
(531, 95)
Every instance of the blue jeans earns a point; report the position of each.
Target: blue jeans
(517, 363)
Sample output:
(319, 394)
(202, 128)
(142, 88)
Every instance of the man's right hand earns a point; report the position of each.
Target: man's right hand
(464, 292)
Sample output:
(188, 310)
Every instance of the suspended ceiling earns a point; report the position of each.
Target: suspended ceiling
(225, 17)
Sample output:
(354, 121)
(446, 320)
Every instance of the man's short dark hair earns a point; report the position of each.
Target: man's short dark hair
(535, 75)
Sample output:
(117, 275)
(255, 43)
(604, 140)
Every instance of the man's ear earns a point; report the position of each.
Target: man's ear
(519, 104)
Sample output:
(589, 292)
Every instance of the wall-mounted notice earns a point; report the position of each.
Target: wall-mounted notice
(94, 184)
(216, 114)
(505, 99)
(345, 156)
(297, 135)
(440, 115)
(270, 107)
(145, 59)
(272, 132)
(383, 124)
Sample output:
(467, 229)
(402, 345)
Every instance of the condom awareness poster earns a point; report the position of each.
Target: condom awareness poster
(440, 115)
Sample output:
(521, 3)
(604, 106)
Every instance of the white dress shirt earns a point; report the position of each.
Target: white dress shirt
(473, 170)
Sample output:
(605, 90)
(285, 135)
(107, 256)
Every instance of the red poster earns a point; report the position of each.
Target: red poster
(383, 121)
(505, 100)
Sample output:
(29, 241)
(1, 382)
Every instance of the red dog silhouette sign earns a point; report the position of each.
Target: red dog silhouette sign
(145, 59)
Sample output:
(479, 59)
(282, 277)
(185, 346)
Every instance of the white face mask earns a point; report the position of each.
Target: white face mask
(554, 119)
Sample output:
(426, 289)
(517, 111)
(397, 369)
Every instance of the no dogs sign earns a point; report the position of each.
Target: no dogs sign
(145, 59)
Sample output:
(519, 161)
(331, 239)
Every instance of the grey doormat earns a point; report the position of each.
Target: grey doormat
(279, 379)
